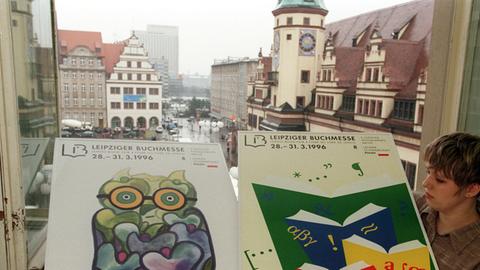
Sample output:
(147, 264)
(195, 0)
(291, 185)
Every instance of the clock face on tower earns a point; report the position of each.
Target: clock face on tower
(307, 42)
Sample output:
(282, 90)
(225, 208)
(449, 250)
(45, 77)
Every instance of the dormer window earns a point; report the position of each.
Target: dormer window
(354, 42)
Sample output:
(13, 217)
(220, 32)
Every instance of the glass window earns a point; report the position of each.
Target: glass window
(289, 20)
(141, 91)
(153, 91)
(469, 116)
(128, 105)
(305, 77)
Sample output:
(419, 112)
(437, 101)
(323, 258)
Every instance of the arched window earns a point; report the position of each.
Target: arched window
(116, 122)
(128, 122)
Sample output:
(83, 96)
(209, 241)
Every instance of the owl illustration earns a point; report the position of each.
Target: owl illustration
(150, 223)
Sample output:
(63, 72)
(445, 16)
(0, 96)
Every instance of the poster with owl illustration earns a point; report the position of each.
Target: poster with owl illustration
(317, 201)
(141, 205)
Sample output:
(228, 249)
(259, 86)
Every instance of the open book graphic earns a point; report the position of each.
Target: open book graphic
(412, 254)
(324, 245)
(356, 266)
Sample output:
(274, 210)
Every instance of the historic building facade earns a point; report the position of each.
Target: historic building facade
(82, 77)
(228, 93)
(362, 74)
(134, 91)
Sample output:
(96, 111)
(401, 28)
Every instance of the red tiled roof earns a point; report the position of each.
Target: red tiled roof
(405, 58)
(349, 63)
(70, 39)
(402, 64)
(419, 13)
(112, 55)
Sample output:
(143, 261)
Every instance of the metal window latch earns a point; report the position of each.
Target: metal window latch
(18, 220)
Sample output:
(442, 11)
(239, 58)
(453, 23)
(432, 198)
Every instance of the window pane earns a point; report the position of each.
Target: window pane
(34, 70)
(470, 107)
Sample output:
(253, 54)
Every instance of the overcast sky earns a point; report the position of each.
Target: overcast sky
(208, 29)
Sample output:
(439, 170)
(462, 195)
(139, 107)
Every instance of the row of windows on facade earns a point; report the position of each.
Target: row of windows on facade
(66, 102)
(129, 122)
(290, 21)
(403, 109)
(73, 75)
(82, 61)
(138, 77)
(130, 105)
(139, 91)
(138, 64)
(372, 74)
(83, 87)
(83, 116)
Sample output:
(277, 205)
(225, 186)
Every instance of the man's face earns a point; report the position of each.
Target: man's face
(442, 193)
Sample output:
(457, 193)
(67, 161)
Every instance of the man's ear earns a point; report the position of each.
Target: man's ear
(472, 190)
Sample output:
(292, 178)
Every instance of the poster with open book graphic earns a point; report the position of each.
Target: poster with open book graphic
(141, 205)
(311, 201)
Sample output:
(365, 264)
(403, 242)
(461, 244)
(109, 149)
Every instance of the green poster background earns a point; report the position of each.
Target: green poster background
(277, 204)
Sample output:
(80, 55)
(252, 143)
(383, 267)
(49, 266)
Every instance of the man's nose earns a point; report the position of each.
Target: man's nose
(426, 182)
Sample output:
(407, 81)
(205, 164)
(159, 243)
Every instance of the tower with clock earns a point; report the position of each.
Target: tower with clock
(299, 36)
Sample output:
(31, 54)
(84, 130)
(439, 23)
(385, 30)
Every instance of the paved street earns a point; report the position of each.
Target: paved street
(192, 132)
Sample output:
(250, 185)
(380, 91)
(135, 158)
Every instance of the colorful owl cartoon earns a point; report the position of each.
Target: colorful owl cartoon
(150, 223)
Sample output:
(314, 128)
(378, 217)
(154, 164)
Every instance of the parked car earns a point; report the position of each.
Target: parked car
(87, 134)
(173, 131)
(65, 134)
(107, 133)
(130, 134)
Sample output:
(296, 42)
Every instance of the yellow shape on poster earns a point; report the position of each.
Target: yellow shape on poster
(410, 255)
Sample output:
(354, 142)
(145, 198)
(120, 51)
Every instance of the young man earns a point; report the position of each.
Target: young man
(449, 207)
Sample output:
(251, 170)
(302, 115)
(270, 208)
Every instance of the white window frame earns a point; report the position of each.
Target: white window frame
(13, 253)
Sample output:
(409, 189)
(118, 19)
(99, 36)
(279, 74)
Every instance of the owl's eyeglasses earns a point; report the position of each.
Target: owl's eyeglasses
(128, 198)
